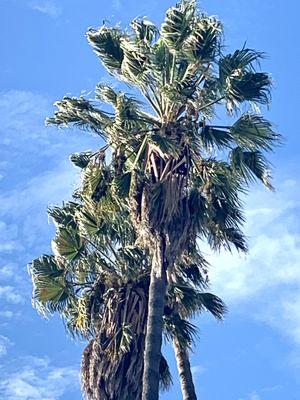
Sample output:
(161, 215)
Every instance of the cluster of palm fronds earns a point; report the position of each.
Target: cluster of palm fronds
(126, 263)
(98, 280)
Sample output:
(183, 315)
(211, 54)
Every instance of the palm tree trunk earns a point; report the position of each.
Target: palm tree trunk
(157, 291)
(184, 370)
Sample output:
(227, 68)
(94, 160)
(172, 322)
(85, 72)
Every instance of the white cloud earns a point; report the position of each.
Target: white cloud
(22, 115)
(8, 314)
(50, 187)
(7, 271)
(251, 396)
(49, 176)
(10, 295)
(267, 281)
(46, 7)
(8, 234)
(5, 343)
(198, 370)
(24, 136)
(42, 175)
(38, 379)
(116, 5)
(40, 191)
(254, 396)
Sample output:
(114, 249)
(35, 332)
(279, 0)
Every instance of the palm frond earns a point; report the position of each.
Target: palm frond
(253, 132)
(165, 377)
(106, 43)
(197, 207)
(203, 44)
(249, 86)
(239, 80)
(96, 179)
(211, 137)
(161, 60)
(64, 216)
(144, 30)
(81, 113)
(89, 224)
(107, 94)
(243, 60)
(123, 183)
(127, 114)
(182, 329)
(178, 24)
(81, 159)
(251, 165)
(212, 304)
(193, 268)
(68, 244)
(51, 290)
(165, 144)
(50, 294)
(136, 62)
(46, 266)
(124, 338)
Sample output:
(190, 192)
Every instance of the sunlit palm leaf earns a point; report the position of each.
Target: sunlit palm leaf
(204, 40)
(178, 24)
(106, 43)
(144, 30)
(136, 62)
(254, 132)
(68, 244)
(82, 159)
(81, 113)
(64, 216)
(107, 94)
(46, 266)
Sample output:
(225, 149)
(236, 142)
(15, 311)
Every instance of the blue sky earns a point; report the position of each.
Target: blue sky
(255, 353)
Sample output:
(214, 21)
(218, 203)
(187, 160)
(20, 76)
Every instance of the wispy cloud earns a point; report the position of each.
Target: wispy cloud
(7, 271)
(116, 5)
(43, 174)
(38, 379)
(251, 396)
(5, 343)
(10, 295)
(36, 172)
(267, 281)
(8, 314)
(198, 370)
(50, 8)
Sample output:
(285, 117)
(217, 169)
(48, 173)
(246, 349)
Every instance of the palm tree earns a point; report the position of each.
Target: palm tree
(98, 280)
(180, 174)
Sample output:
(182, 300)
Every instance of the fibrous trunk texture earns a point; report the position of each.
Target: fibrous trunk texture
(184, 370)
(107, 371)
(156, 303)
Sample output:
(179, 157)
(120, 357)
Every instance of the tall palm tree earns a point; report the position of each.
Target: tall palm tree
(180, 174)
(98, 280)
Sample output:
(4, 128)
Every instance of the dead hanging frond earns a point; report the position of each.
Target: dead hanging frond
(112, 361)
